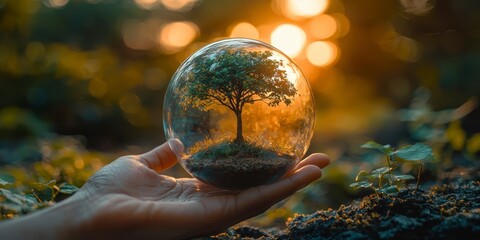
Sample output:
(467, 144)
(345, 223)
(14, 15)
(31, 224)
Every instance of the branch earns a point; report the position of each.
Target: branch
(219, 100)
(231, 102)
(246, 93)
(260, 100)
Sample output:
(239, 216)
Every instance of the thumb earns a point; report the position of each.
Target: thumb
(160, 158)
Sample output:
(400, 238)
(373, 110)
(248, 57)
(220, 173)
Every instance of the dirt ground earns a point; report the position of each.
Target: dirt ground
(448, 210)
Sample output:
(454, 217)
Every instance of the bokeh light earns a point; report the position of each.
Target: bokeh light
(402, 47)
(129, 103)
(176, 35)
(302, 8)
(146, 4)
(288, 38)
(99, 69)
(343, 24)
(244, 30)
(178, 5)
(55, 3)
(322, 53)
(135, 35)
(417, 7)
(323, 26)
(97, 88)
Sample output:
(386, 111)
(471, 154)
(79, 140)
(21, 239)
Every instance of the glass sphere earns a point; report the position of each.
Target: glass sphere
(238, 113)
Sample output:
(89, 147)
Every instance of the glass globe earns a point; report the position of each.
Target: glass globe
(238, 113)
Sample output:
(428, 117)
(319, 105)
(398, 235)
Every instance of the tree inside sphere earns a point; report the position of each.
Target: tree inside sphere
(238, 113)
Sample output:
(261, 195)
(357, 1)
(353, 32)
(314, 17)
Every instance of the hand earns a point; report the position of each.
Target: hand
(129, 199)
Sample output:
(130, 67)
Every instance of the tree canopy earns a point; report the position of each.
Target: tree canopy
(233, 78)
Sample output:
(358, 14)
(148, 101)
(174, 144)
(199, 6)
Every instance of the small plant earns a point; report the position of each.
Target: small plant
(28, 185)
(14, 202)
(383, 180)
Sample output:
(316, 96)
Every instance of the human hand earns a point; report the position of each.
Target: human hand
(128, 198)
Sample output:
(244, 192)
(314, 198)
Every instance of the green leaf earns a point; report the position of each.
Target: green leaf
(3, 182)
(68, 188)
(51, 183)
(361, 185)
(17, 198)
(361, 175)
(11, 207)
(415, 153)
(374, 145)
(403, 177)
(389, 189)
(381, 171)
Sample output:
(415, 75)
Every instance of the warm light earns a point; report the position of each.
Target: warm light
(135, 35)
(288, 38)
(323, 26)
(245, 30)
(130, 103)
(322, 53)
(408, 50)
(402, 47)
(343, 24)
(177, 35)
(146, 4)
(57, 3)
(178, 5)
(418, 7)
(97, 88)
(304, 8)
(79, 163)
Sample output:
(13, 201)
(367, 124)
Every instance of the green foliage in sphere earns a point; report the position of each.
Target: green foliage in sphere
(234, 78)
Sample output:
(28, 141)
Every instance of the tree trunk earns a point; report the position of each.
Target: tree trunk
(239, 138)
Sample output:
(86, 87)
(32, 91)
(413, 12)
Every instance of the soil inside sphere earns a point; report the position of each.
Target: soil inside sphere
(233, 165)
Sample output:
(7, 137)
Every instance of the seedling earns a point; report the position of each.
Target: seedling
(15, 202)
(383, 180)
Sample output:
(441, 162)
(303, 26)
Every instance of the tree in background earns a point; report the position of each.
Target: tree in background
(235, 78)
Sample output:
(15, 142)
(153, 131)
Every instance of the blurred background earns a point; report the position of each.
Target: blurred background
(83, 81)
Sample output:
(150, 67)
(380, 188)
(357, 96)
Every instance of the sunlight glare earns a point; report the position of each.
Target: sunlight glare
(288, 38)
(245, 30)
(322, 53)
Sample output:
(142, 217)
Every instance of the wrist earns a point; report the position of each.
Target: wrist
(56, 222)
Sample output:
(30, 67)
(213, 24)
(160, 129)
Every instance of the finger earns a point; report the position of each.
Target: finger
(160, 158)
(257, 199)
(318, 159)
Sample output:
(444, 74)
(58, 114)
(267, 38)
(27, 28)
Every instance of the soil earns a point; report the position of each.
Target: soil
(449, 210)
(238, 165)
(239, 172)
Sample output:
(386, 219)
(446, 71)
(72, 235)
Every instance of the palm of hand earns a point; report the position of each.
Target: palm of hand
(129, 194)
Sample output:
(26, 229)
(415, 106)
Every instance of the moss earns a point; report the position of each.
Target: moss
(228, 149)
